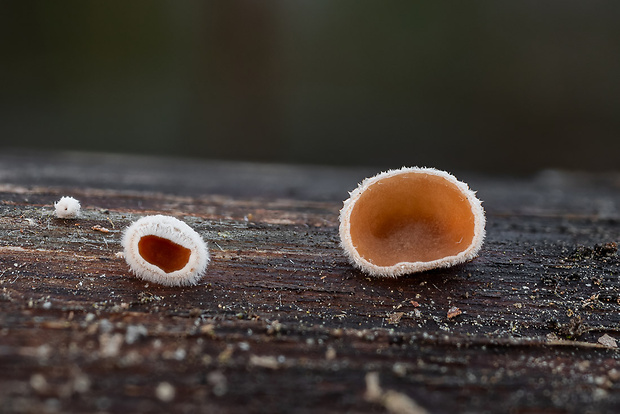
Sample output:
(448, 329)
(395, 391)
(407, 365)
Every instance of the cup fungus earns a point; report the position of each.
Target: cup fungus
(411, 220)
(165, 250)
(67, 208)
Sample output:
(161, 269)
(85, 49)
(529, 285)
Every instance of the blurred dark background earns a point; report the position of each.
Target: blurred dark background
(500, 87)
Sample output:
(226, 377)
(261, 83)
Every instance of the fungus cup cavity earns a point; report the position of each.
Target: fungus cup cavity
(411, 220)
(165, 250)
(67, 208)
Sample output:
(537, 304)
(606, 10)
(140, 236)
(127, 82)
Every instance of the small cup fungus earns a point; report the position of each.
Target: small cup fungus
(67, 208)
(165, 250)
(411, 220)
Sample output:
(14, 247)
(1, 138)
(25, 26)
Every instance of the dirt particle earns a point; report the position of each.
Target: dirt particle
(573, 329)
(269, 362)
(551, 337)
(606, 250)
(225, 355)
(393, 401)
(394, 318)
(105, 326)
(100, 228)
(39, 383)
(178, 354)
(608, 341)
(599, 394)
(110, 345)
(134, 333)
(146, 297)
(218, 381)
(399, 369)
(81, 383)
(599, 251)
(274, 328)
(453, 312)
(165, 392)
(208, 329)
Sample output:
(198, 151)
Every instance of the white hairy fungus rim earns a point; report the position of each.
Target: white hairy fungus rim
(174, 231)
(67, 208)
(405, 266)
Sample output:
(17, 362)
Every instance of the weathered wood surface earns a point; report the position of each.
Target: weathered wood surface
(282, 323)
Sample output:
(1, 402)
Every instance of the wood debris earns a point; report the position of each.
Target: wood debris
(608, 341)
(453, 312)
(395, 317)
(100, 228)
(269, 362)
(393, 401)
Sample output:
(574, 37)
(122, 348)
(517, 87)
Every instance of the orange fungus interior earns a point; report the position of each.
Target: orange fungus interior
(163, 253)
(411, 217)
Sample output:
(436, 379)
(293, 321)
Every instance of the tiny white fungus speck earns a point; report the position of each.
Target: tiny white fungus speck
(165, 250)
(67, 208)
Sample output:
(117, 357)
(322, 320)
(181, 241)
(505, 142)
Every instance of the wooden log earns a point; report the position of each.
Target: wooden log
(282, 322)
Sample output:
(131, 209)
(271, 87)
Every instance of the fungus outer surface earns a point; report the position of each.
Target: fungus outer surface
(67, 208)
(165, 250)
(410, 220)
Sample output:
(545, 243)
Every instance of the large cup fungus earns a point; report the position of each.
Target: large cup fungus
(165, 250)
(410, 220)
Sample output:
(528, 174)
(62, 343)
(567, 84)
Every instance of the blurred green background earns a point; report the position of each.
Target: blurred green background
(499, 87)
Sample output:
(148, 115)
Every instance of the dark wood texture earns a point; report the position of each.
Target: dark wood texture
(282, 322)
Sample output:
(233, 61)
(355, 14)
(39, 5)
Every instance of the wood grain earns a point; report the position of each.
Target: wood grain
(282, 322)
